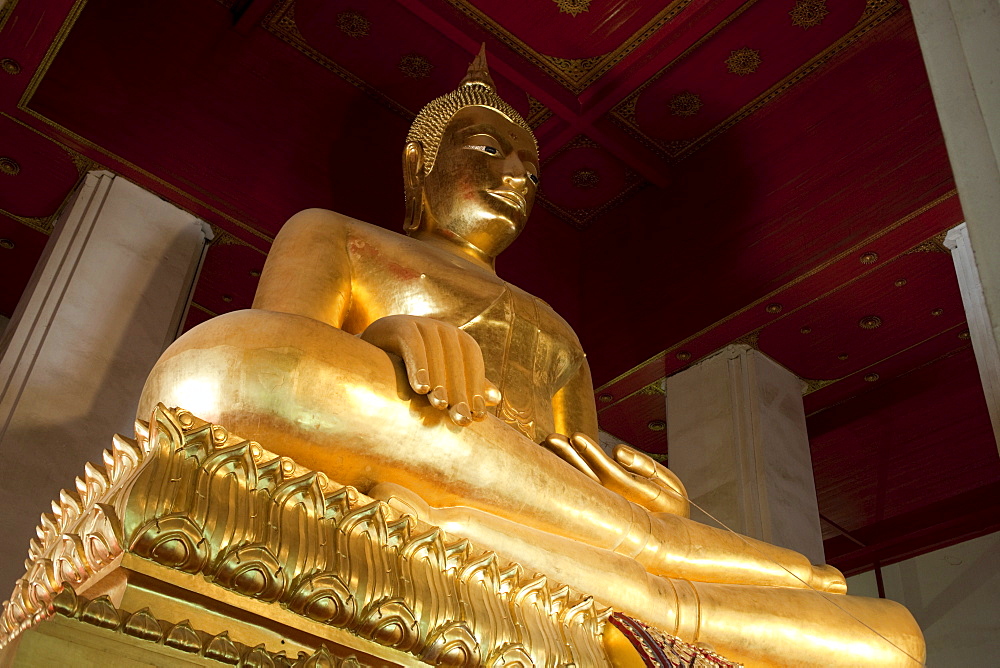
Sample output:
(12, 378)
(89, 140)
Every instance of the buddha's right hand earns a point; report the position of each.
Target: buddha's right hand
(442, 362)
(633, 474)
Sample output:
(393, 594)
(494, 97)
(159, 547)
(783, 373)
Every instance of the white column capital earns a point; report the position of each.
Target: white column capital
(955, 236)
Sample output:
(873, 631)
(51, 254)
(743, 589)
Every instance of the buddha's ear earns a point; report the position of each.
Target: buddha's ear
(413, 166)
(413, 181)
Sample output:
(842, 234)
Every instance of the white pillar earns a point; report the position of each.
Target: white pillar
(736, 436)
(106, 298)
(960, 43)
(983, 342)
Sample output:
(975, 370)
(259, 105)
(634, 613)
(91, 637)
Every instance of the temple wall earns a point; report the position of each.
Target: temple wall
(953, 594)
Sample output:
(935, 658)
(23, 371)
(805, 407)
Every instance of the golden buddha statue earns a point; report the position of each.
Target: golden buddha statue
(451, 432)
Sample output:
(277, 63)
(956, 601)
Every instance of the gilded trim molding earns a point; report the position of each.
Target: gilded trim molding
(149, 630)
(574, 74)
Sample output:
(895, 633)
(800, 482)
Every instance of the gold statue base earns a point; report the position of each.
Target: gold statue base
(195, 546)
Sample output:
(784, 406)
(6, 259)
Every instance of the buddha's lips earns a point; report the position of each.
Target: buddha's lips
(510, 197)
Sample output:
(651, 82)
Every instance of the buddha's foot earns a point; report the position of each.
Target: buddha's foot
(829, 579)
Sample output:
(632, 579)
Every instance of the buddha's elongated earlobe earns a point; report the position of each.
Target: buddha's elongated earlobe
(413, 183)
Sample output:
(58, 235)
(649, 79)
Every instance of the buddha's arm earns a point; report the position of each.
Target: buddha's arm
(573, 405)
(308, 271)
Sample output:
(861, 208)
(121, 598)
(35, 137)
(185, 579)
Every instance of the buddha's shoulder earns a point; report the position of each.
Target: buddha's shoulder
(558, 324)
(336, 227)
(551, 321)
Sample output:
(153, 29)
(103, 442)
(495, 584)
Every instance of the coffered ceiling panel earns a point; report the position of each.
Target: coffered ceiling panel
(384, 49)
(731, 72)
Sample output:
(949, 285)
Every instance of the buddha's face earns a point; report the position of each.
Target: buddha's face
(482, 186)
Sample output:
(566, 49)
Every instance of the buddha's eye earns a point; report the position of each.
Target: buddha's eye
(483, 148)
(534, 179)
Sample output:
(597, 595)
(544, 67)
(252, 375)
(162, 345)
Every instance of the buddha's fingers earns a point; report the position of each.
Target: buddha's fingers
(829, 579)
(667, 477)
(436, 362)
(674, 499)
(492, 394)
(401, 336)
(441, 361)
(459, 366)
(475, 375)
(635, 461)
(560, 445)
(640, 489)
(610, 472)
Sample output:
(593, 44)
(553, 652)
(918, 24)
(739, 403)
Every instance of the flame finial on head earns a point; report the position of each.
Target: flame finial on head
(479, 71)
(476, 90)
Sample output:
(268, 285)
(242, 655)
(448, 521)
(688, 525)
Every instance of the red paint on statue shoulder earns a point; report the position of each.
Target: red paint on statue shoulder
(403, 273)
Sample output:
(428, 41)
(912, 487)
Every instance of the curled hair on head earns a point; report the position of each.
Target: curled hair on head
(476, 90)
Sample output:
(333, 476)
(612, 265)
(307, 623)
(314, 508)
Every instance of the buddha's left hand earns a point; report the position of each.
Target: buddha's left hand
(633, 474)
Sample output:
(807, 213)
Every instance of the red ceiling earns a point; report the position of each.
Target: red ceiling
(781, 212)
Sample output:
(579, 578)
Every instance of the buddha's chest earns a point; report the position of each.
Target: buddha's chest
(529, 351)
(407, 278)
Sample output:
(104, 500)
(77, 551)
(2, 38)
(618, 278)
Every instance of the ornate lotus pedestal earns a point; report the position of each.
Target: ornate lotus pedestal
(194, 546)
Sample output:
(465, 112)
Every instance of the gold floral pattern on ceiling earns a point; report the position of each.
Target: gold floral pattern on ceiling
(573, 7)
(585, 178)
(9, 166)
(808, 13)
(752, 338)
(45, 224)
(685, 104)
(538, 113)
(415, 66)
(353, 24)
(743, 61)
(280, 22)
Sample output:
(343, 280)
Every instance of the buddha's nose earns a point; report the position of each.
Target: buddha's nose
(515, 175)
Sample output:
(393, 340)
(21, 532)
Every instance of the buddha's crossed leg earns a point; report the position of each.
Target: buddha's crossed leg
(659, 535)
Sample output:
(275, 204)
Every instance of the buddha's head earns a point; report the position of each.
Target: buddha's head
(470, 167)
